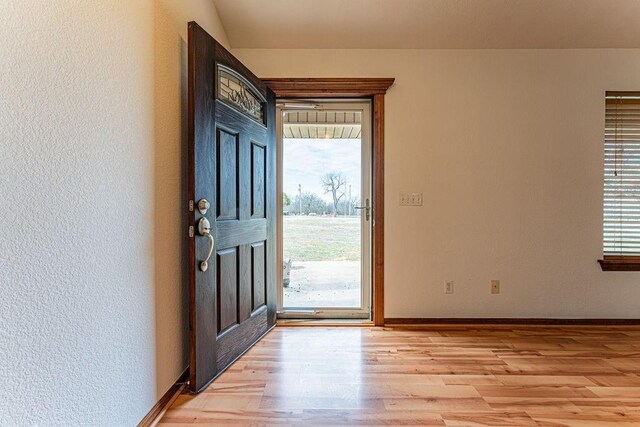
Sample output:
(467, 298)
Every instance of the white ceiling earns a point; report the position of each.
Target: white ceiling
(440, 24)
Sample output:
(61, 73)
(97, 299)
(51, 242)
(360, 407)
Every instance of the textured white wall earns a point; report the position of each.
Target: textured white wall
(92, 101)
(92, 324)
(76, 114)
(506, 146)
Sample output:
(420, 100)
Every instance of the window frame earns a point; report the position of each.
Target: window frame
(617, 262)
(620, 263)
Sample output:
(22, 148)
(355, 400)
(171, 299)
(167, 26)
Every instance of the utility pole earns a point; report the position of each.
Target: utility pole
(299, 199)
(349, 203)
(346, 210)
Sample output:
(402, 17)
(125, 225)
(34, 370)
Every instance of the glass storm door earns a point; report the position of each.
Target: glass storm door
(325, 210)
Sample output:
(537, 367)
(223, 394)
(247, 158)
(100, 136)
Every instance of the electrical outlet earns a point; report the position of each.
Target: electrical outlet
(448, 287)
(495, 286)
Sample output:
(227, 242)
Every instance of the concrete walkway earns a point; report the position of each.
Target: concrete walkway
(323, 284)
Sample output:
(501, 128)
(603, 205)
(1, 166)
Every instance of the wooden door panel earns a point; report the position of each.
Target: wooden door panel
(234, 233)
(258, 178)
(248, 129)
(258, 279)
(227, 155)
(244, 289)
(236, 340)
(232, 164)
(227, 295)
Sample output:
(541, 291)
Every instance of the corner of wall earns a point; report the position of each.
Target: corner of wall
(169, 187)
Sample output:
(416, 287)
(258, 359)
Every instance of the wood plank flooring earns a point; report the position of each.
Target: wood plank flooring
(453, 376)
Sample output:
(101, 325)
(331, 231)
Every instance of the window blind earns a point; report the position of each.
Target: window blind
(622, 174)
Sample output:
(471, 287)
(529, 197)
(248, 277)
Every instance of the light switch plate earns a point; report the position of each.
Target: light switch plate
(410, 199)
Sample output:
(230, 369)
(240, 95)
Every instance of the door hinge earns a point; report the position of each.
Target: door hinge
(191, 231)
(191, 206)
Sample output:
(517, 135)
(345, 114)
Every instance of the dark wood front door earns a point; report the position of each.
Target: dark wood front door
(232, 167)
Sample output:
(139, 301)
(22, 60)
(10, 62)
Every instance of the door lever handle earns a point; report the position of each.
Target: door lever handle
(367, 209)
(204, 228)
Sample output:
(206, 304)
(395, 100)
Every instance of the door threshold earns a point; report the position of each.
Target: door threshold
(325, 322)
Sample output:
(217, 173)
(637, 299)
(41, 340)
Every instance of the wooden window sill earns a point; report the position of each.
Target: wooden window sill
(624, 263)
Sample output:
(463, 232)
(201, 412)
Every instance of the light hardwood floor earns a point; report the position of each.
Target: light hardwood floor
(521, 376)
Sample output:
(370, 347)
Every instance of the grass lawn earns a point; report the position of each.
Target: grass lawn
(318, 238)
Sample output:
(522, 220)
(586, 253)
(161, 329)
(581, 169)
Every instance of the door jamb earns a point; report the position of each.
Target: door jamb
(374, 89)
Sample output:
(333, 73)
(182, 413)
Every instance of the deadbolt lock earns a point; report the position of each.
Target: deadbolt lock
(203, 206)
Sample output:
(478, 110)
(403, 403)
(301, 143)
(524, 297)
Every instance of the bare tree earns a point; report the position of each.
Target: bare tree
(310, 203)
(346, 204)
(332, 182)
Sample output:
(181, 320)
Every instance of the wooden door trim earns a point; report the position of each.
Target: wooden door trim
(155, 414)
(509, 321)
(328, 87)
(370, 88)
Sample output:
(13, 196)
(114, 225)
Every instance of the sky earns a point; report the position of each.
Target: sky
(307, 160)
